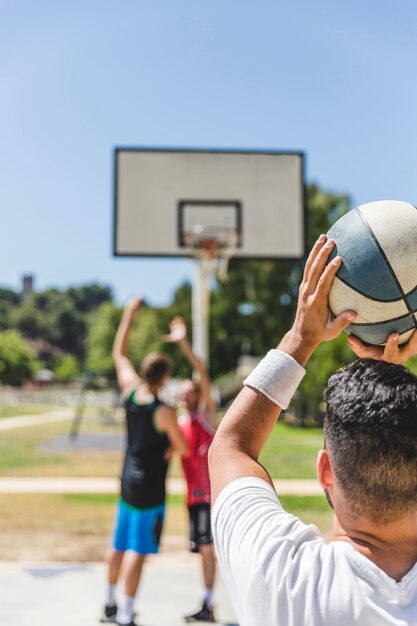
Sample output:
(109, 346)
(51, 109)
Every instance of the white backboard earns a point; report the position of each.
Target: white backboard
(151, 186)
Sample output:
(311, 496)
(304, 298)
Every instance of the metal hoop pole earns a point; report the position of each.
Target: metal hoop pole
(200, 309)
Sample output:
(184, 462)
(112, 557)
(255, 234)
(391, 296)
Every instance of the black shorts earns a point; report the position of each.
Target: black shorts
(200, 526)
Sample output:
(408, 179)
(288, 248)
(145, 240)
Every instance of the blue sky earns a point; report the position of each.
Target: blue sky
(334, 79)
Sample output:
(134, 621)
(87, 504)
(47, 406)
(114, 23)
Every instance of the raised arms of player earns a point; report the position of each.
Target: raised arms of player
(127, 377)
(249, 421)
(178, 334)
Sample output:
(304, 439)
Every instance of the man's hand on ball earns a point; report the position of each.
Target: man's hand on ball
(392, 352)
(314, 322)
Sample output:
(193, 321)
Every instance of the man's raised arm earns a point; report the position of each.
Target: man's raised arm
(127, 376)
(269, 388)
(178, 334)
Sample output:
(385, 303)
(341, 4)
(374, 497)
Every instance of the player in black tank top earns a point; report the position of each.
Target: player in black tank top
(151, 429)
(145, 467)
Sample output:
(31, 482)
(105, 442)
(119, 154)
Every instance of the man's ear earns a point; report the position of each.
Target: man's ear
(324, 470)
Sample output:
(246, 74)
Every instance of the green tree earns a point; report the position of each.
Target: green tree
(9, 296)
(17, 361)
(88, 297)
(66, 368)
(30, 320)
(249, 311)
(102, 326)
(58, 317)
(8, 301)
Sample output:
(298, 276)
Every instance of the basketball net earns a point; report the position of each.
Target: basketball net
(213, 248)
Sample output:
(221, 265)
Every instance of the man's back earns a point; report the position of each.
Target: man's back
(280, 572)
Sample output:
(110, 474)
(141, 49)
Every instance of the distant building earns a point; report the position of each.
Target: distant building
(44, 377)
(27, 286)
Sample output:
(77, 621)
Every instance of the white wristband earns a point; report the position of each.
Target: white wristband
(277, 376)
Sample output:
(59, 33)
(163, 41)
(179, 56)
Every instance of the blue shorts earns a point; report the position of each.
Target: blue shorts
(138, 529)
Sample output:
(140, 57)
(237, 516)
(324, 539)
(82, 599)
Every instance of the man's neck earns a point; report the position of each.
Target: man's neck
(147, 392)
(392, 547)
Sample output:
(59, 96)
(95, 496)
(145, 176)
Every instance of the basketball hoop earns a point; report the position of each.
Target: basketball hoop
(213, 245)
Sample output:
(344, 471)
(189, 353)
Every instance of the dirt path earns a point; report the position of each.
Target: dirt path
(59, 415)
(111, 485)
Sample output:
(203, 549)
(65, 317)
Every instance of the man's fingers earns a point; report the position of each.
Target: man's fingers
(318, 267)
(362, 350)
(410, 348)
(391, 348)
(356, 343)
(329, 274)
(312, 256)
(389, 353)
(342, 321)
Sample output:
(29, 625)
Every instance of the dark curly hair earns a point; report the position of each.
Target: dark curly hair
(370, 433)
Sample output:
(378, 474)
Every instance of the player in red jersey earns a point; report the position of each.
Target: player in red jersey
(198, 426)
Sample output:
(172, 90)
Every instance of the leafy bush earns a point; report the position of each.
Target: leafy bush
(17, 361)
(67, 368)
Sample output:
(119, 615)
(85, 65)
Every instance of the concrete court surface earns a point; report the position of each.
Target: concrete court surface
(71, 594)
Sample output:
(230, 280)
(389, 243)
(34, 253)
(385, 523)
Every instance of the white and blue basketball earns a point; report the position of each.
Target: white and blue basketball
(378, 277)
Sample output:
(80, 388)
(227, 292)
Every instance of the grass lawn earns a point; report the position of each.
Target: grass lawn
(289, 453)
(22, 452)
(77, 527)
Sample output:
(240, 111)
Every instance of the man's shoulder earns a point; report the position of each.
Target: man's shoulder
(259, 516)
(250, 487)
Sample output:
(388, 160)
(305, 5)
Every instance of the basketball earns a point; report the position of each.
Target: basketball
(378, 276)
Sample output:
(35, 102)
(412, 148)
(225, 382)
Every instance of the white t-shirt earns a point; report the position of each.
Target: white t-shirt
(280, 572)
